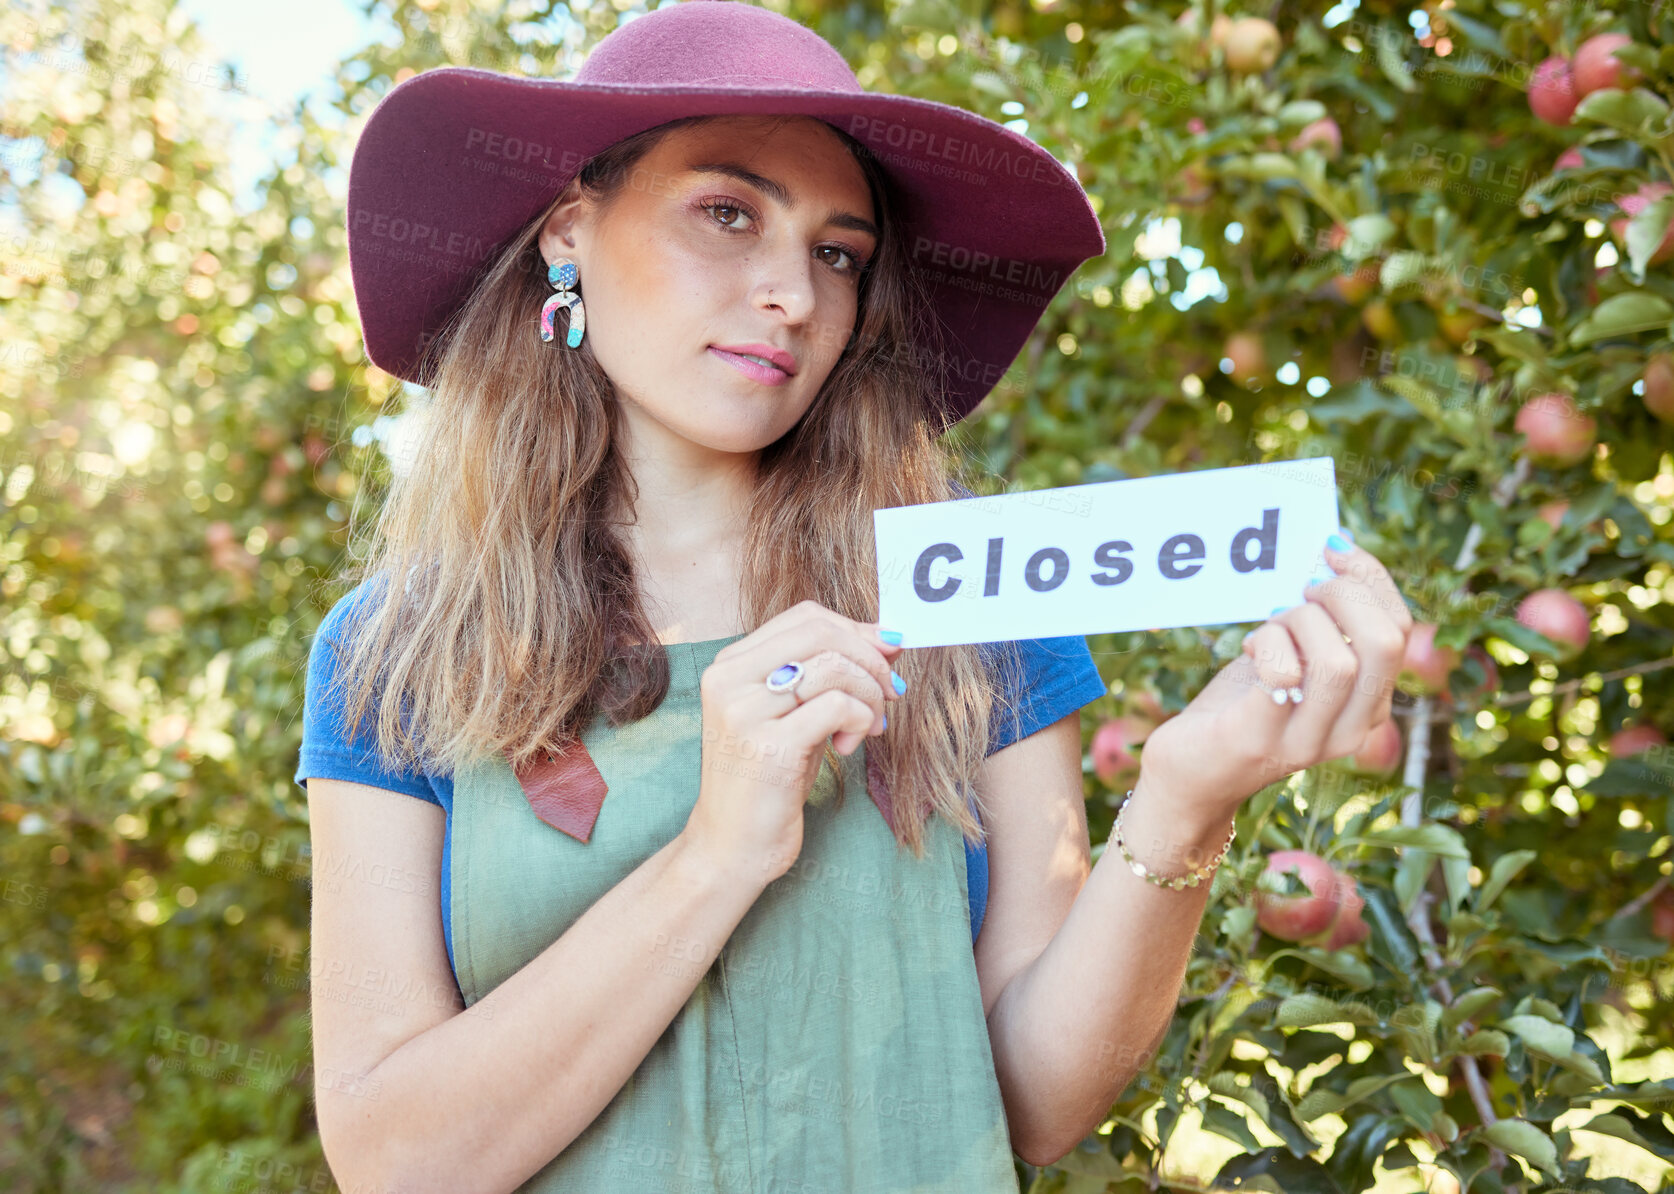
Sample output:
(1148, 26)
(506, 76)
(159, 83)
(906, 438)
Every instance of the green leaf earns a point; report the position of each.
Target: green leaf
(1584, 1066)
(1437, 839)
(1631, 777)
(1645, 233)
(1308, 1010)
(1296, 219)
(1366, 235)
(1533, 1005)
(1419, 396)
(1520, 636)
(1506, 868)
(1416, 1101)
(1363, 401)
(1486, 1041)
(1541, 1036)
(1341, 964)
(1468, 1005)
(1393, 942)
(1411, 874)
(1456, 875)
(1401, 268)
(1648, 1133)
(1478, 33)
(1239, 924)
(1224, 1122)
(1302, 111)
(1265, 167)
(1520, 345)
(1527, 1141)
(1622, 315)
(1630, 111)
(1275, 1170)
(1393, 64)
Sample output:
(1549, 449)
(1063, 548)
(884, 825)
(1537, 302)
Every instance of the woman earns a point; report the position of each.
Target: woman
(688, 321)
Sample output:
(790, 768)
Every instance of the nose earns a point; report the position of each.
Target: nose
(785, 283)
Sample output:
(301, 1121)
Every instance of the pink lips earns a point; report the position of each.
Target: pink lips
(766, 374)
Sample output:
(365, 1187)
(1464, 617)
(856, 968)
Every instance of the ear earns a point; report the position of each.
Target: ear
(558, 233)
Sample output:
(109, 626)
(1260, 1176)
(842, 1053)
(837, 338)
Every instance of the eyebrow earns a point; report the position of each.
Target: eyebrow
(777, 191)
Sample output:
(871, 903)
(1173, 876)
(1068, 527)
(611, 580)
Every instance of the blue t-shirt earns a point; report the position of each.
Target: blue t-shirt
(1058, 678)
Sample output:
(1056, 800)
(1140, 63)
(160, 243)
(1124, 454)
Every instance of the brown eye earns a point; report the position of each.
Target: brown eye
(736, 209)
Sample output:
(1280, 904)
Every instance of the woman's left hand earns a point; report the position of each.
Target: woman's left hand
(1342, 645)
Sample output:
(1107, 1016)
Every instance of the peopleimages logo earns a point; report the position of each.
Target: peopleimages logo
(1010, 271)
(986, 161)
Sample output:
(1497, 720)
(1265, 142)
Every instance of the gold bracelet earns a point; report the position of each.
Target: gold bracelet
(1191, 879)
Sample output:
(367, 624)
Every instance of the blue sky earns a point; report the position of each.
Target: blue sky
(284, 50)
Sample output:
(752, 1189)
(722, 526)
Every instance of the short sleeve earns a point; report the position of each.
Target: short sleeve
(1057, 676)
(326, 752)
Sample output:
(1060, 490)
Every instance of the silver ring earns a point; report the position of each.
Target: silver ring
(785, 677)
(1282, 695)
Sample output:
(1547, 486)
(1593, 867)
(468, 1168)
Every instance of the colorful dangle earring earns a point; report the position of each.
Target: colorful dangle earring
(562, 274)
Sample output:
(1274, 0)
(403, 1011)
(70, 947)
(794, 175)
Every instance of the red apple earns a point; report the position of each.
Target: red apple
(1193, 185)
(1552, 91)
(1425, 666)
(1357, 287)
(1217, 28)
(1348, 929)
(1552, 513)
(1569, 159)
(1662, 916)
(1293, 918)
(1113, 762)
(1596, 67)
(1150, 709)
(1248, 356)
(1324, 134)
(1592, 283)
(1381, 751)
(1555, 432)
(219, 535)
(1558, 616)
(1458, 323)
(1251, 44)
(1634, 204)
(1635, 739)
(1659, 386)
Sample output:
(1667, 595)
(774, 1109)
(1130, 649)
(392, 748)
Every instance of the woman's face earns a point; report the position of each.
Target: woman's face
(745, 233)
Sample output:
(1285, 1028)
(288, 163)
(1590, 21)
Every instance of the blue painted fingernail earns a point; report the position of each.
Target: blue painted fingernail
(886, 721)
(1315, 581)
(1337, 543)
(892, 637)
(900, 684)
(1343, 531)
(1278, 609)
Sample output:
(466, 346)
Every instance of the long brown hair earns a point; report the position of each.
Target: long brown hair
(519, 618)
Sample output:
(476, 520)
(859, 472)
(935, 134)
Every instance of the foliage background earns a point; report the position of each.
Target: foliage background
(186, 418)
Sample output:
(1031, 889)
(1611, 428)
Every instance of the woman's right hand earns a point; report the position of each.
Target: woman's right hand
(762, 749)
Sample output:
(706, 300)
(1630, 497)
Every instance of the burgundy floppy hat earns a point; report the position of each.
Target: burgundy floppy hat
(455, 161)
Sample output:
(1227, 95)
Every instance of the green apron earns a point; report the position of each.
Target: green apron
(837, 1044)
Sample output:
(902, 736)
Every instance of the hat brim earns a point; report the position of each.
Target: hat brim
(455, 161)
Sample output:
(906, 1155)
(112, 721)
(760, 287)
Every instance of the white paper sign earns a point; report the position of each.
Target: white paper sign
(1189, 549)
